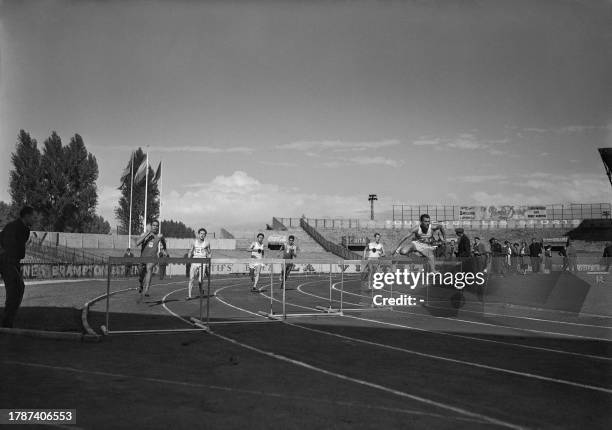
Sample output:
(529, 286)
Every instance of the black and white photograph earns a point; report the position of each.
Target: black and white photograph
(292, 214)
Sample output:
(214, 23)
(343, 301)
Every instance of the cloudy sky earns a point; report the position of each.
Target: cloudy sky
(264, 108)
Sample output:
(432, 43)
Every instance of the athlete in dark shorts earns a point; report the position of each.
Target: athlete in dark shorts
(290, 250)
(151, 244)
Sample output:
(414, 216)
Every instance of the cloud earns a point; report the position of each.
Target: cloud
(279, 163)
(485, 198)
(206, 149)
(466, 143)
(241, 199)
(192, 148)
(108, 199)
(463, 141)
(426, 142)
(535, 130)
(582, 128)
(481, 178)
(363, 161)
(337, 145)
(566, 129)
(549, 188)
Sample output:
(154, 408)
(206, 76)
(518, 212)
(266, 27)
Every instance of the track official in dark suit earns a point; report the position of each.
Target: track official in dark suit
(13, 241)
(464, 250)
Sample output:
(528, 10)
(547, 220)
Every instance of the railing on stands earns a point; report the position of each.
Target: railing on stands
(335, 249)
(64, 254)
(530, 224)
(327, 224)
(323, 222)
(403, 212)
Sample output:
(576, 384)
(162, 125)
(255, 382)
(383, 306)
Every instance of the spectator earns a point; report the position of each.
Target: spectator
(535, 254)
(515, 259)
(563, 253)
(440, 251)
(13, 241)
(548, 259)
(507, 250)
(572, 256)
(128, 266)
(523, 255)
(607, 256)
(497, 262)
(464, 250)
(451, 250)
(480, 254)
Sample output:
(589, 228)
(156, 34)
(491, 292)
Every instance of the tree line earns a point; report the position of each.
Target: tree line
(59, 181)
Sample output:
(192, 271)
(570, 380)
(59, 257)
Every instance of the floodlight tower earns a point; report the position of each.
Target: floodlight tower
(371, 199)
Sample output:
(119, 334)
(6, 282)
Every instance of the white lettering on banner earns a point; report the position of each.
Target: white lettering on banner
(276, 240)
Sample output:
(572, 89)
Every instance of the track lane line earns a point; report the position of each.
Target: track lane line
(444, 406)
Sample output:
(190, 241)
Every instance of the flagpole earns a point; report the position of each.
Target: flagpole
(146, 190)
(160, 199)
(131, 193)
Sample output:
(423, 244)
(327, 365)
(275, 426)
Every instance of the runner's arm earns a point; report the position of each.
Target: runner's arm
(142, 238)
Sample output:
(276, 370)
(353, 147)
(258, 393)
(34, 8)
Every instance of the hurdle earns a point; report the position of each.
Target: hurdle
(279, 307)
(370, 267)
(123, 261)
(300, 264)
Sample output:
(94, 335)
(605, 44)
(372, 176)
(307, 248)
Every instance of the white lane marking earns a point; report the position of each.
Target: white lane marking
(512, 316)
(372, 385)
(357, 381)
(518, 345)
(235, 390)
(467, 363)
(453, 360)
(474, 322)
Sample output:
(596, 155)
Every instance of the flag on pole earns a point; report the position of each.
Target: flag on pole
(140, 173)
(126, 172)
(157, 173)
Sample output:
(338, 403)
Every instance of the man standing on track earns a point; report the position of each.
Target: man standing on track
(422, 242)
(200, 248)
(290, 251)
(150, 243)
(257, 253)
(13, 241)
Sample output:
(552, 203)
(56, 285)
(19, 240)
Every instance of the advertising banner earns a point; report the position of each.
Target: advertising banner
(501, 213)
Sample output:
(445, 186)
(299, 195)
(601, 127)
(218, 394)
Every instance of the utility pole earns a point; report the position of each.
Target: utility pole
(371, 199)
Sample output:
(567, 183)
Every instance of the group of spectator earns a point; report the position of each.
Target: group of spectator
(503, 257)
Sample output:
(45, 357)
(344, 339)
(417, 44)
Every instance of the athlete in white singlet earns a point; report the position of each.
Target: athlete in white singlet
(373, 251)
(257, 253)
(290, 250)
(200, 248)
(422, 241)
